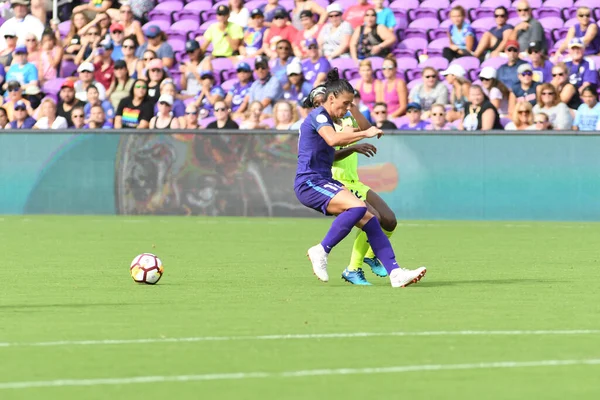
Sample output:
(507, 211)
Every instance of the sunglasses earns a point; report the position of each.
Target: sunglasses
(313, 47)
(125, 11)
(93, 33)
(437, 115)
(524, 112)
(9, 37)
(85, 71)
(278, 17)
(429, 76)
(335, 15)
(128, 47)
(20, 108)
(523, 9)
(540, 122)
(485, 79)
(141, 87)
(294, 74)
(370, 15)
(500, 15)
(164, 103)
(14, 89)
(559, 74)
(583, 15)
(547, 93)
(220, 109)
(284, 48)
(379, 112)
(533, 51)
(512, 50)
(191, 112)
(387, 68)
(155, 70)
(76, 116)
(527, 73)
(117, 32)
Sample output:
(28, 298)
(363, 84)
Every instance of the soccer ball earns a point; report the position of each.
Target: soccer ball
(146, 268)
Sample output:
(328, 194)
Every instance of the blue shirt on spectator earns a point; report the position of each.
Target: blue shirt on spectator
(117, 53)
(279, 70)
(23, 74)
(386, 17)
(238, 92)
(508, 75)
(585, 71)
(420, 126)
(295, 95)
(499, 32)
(106, 125)
(109, 111)
(587, 118)
(459, 36)
(529, 95)
(27, 124)
(206, 107)
(164, 51)
(270, 88)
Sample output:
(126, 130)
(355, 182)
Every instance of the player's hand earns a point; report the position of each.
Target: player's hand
(365, 149)
(348, 129)
(373, 131)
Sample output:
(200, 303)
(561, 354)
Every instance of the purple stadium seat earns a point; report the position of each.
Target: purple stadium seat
(467, 63)
(438, 43)
(591, 4)
(495, 3)
(466, 3)
(64, 28)
(351, 74)
(184, 26)
(222, 2)
(399, 53)
(354, 82)
(558, 43)
(474, 76)
(558, 3)
(52, 86)
(483, 22)
(177, 43)
(514, 21)
(268, 122)
(447, 22)
(532, 3)
(545, 12)
(561, 33)
(411, 83)
(400, 121)
(163, 25)
(569, 13)
(419, 13)
(222, 64)
(287, 4)
(435, 4)
(160, 15)
(480, 13)
(205, 121)
(376, 62)
(67, 68)
(414, 43)
(494, 62)
(407, 63)
(228, 84)
(401, 19)
(169, 6)
(438, 33)
(187, 14)
(252, 4)
(444, 14)
(425, 23)
(505, 121)
(344, 3)
(412, 33)
(435, 62)
(597, 14)
(342, 63)
(198, 5)
(399, 4)
(202, 28)
(550, 23)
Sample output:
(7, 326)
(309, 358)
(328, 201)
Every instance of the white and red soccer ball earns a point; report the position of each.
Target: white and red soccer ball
(146, 268)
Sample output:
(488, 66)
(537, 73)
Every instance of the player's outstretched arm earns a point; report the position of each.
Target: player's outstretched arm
(360, 119)
(347, 135)
(366, 149)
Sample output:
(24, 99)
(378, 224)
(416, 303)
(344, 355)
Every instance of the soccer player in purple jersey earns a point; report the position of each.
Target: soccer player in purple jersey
(315, 188)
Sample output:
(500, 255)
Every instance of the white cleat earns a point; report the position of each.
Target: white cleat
(401, 277)
(318, 258)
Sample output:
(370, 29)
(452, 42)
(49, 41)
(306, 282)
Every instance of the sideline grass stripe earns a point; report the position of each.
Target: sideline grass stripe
(294, 374)
(299, 337)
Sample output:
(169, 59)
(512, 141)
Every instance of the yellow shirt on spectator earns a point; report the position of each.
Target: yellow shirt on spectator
(221, 47)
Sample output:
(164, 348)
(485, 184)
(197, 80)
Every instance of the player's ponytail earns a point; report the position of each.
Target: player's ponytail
(336, 85)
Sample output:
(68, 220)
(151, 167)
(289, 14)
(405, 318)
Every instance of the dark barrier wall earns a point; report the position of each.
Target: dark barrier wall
(423, 176)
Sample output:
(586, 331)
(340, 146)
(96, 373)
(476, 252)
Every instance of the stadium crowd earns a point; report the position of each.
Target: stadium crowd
(414, 64)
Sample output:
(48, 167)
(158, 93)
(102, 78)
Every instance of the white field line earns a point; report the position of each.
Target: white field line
(294, 374)
(299, 337)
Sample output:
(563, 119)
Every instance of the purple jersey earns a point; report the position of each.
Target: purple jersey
(585, 71)
(315, 156)
(312, 69)
(238, 92)
(295, 95)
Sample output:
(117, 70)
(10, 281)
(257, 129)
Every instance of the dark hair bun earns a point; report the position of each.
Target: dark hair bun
(333, 75)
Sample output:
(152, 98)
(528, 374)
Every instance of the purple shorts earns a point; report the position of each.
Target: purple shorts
(317, 192)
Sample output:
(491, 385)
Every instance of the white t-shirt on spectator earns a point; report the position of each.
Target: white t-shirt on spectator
(59, 123)
(496, 94)
(22, 28)
(240, 18)
(81, 91)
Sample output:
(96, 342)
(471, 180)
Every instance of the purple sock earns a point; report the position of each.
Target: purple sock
(342, 226)
(381, 244)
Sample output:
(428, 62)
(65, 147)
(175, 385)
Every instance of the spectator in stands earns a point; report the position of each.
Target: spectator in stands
(461, 35)
(385, 15)
(586, 30)
(225, 36)
(315, 67)
(155, 74)
(415, 121)
(167, 87)
(284, 58)
(334, 38)
(49, 119)
(582, 71)
(121, 85)
(157, 42)
(284, 115)
(97, 119)
(135, 111)
(266, 88)
(542, 68)
(587, 116)
(116, 39)
(129, 47)
(50, 58)
(86, 79)
(429, 92)
(496, 91)
(254, 35)
(522, 117)
(102, 21)
(541, 122)
(296, 88)
(4, 123)
(209, 95)
(15, 94)
(191, 117)
(164, 118)
(78, 117)
(455, 76)
(22, 71)
(74, 38)
(494, 40)
(380, 117)
(507, 73)
(131, 26)
(279, 31)
(94, 7)
(310, 31)
(21, 24)
(67, 102)
(307, 5)
(438, 119)
(190, 70)
(481, 115)
(252, 117)
(526, 90)
(142, 64)
(21, 119)
(269, 9)
(370, 89)
(364, 110)
(34, 95)
(567, 91)
(90, 42)
(94, 100)
(6, 54)
(393, 89)
(238, 14)
(529, 29)
(371, 39)
(33, 49)
(223, 118)
(355, 14)
(104, 66)
(550, 105)
(239, 90)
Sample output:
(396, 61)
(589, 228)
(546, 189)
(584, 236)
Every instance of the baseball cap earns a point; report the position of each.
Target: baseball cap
(293, 68)
(155, 63)
(335, 8)
(280, 13)
(21, 49)
(191, 45)
(152, 31)
(86, 66)
(488, 73)
(108, 46)
(306, 13)
(13, 85)
(19, 2)
(10, 32)
(68, 84)
(536, 46)
(207, 74)
(20, 104)
(524, 67)
(512, 44)
(257, 12)
(414, 105)
(116, 27)
(120, 64)
(222, 10)
(32, 91)
(261, 61)
(243, 66)
(166, 98)
(456, 70)
(311, 42)
(576, 42)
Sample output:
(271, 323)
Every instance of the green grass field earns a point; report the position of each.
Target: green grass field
(237, 288)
